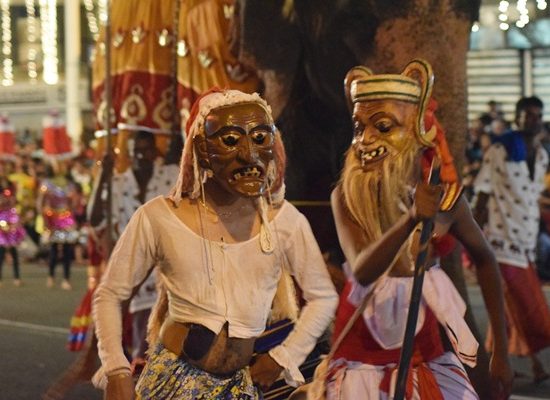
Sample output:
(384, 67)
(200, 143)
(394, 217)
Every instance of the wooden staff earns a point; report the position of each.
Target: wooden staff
(175, 103)
(109, 104)
(416, 295)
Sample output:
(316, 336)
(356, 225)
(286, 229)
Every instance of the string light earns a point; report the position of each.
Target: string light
(48, 19)
(503, 6)
(523, 20)
(7, 61)
(521, 6)
(503, 16)
(92, 20)
(102, 5)
(520, 15)
(31, 38)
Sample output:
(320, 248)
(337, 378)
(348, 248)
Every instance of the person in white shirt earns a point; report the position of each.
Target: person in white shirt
(148, 177)
(508, 188)
(225, 243)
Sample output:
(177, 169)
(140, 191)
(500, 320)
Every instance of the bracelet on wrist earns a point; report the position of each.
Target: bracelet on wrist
(119, 373)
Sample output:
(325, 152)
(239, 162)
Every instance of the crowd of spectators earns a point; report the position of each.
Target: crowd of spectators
(25, 172)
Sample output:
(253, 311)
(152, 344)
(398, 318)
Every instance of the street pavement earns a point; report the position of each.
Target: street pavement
(34, 324)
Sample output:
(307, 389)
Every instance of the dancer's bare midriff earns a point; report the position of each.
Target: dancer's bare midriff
(216, 354)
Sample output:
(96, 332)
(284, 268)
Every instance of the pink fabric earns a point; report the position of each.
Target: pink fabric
(11, 231)
(59, 221)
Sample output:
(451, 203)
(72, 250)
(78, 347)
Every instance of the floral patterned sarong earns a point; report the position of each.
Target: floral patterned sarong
(166, 376)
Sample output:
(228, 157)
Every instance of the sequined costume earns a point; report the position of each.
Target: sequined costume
(57, 212)
(11, 230)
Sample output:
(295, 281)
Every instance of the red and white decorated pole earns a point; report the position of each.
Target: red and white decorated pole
(7, 139)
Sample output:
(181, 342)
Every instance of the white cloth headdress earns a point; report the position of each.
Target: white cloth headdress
(195, 125)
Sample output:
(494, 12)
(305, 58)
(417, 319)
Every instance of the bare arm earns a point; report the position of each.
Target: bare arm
(129, 265)
(467, 231)
(370, 260)
(120, 387)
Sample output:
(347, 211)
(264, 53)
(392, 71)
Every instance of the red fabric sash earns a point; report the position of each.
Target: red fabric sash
(359, 345)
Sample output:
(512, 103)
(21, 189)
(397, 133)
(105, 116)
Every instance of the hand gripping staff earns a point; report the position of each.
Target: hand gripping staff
(416, 294)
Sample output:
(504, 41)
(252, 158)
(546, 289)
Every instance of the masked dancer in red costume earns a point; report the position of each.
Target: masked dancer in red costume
(378, 204)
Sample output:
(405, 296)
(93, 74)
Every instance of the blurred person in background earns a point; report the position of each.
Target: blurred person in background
(11, 230)
(56, 205)
(508, 188)
(148, 177)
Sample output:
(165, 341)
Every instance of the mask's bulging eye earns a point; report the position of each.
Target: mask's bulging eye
(259, 137)
(384, 125)
(230, 139)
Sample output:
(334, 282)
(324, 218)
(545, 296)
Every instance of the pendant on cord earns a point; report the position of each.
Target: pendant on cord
(266, 241)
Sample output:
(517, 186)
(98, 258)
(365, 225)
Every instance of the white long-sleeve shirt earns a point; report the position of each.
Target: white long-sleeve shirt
(126, 202)
(236, 286)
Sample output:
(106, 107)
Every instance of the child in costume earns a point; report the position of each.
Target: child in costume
(56, 199)
(11, 230)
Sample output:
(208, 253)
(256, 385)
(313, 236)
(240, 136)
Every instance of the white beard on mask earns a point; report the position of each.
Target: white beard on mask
(377, 198)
